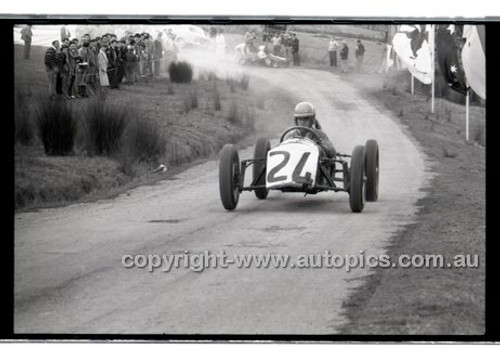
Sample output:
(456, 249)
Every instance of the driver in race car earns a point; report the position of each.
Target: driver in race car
(305, 115)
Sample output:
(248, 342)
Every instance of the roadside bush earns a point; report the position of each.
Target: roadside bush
(180, 72)
(56, 126)
(106, 123)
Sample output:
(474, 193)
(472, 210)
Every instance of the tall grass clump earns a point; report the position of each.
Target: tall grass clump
(191, 101)
(244, 81)
(233, 115)
(56, 127)
(180, 72)
(24, 132)
(144, 141)
(106, 123)
(216, 98)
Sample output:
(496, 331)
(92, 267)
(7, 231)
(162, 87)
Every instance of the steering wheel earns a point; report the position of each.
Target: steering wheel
(290, 129)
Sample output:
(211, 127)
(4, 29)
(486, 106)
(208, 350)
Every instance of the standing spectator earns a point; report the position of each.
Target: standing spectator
(83, 70)
(73, 59)
(64, 70)
(220, 44)
(149, 50)
(52, 67)
(157, 53)
(64, 33)
(112, 54)
(212, 34)
(65, 42)
(333, 45)
(26, 36)
(360, 54)
(130, 63)
(287, 44)
(277, 42)
(344, 56)
(250, 37)
(295, 50)
(103, 66)
(93, 74)
(121, 61)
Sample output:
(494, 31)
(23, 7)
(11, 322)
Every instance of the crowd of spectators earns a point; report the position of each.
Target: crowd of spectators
(81, 67)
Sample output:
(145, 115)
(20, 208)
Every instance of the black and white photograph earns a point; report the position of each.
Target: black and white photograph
(249, 179)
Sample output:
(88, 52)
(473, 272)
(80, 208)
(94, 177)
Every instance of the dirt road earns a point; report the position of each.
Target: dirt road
(68, 272)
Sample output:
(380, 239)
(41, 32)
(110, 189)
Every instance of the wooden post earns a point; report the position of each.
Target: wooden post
(433, 66)
(412, 84)
(467, 115)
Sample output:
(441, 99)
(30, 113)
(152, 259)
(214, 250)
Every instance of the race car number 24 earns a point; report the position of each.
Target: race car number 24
(273, 176)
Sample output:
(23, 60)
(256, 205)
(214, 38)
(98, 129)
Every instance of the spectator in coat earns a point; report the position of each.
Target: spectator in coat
(93, 73)
(26, 36)
(73, 60)
(157, 54)
(52, 67)
(112, 54)
(121, 61)
(333, 45)
(149, 52)
(344, 56)
(360, 54)
(83, 70)
(64, 71)
(277, 42)
(103, 66)
(295, 50)
(130, 62)
(220, 44)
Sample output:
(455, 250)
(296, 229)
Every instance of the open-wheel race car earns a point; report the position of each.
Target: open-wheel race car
(299, 165)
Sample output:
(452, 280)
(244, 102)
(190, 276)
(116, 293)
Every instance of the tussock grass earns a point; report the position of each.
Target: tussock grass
(24, 129)
(191, 101)
(216, 100)
(56, 126)
(106, 123)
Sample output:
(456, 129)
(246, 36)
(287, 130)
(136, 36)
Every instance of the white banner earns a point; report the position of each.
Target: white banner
(474, 60)
(418, 60)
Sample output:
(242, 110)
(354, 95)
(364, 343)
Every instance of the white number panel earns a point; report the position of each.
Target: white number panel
(292, 164)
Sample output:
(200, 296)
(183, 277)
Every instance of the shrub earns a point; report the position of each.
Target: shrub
(106, 123)
(56, 126)
(180, 72)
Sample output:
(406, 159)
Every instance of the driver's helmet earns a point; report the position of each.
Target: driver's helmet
(304, 114)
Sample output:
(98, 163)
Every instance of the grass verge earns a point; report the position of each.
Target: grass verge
(451, 221)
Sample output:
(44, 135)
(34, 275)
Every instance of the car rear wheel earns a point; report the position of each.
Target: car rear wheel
(372, 170)
(357, 181)
(229, 176)
(259, 168)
